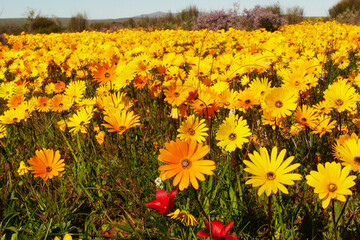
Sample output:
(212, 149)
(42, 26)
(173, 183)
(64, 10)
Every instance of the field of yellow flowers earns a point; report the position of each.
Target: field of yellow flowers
(173, 134)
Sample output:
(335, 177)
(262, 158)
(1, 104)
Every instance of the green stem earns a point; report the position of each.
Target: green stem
(203, 211)
(342, 211)
(269, 217)
(333, 217)
(201, 208)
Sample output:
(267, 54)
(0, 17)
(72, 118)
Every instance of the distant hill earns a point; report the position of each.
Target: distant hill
(155, 14)
(65, 21)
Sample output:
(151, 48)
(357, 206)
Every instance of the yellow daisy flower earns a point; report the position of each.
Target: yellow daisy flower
(331, 182)
(233, 133)
(271, 172)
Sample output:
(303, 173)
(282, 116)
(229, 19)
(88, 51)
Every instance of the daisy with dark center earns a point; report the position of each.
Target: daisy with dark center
(120, 120)
(12, 116)
(280, 102)
(261, 86)
(205, 103)
(324, 125)
(271, 173)
(247, 99)
(60, 103)
(75, 90)
(306, 117)
(193, 128)
(349, 153)
(7, 89)
(43, 104)
(46, 164)
(183, 160)
(176, 94)
(79, 121)
(15, 100)
(104, 73)
(323, 107)
(331, 182)
(341, 96)
(233, 133)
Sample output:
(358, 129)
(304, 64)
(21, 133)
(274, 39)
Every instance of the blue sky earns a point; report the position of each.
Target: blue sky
(100, 9)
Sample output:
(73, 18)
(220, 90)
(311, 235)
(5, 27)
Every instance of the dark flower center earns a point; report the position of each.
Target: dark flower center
(185, 163)
(332, 187)
(81, 123)
(48, 169)
(122, 128)
(107, 75)
(15, 119)
(339, 102)
(61, 105)
(192, 132)
(278, 104)
(296, 83)
(247, 101)
(357, 160)
(270, 175)
(303, 120)
(232, 136)
(176, 94)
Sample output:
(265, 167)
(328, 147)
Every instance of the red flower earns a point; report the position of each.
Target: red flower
(218, 231)
(164, 202)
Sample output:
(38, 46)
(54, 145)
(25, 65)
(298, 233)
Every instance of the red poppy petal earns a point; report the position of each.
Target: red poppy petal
(155, 204)
(162, 196)
(227, 228)
(232, 237)
(216, 228)
(202, 233)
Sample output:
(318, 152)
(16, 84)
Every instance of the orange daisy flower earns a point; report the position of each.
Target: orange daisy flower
(247, 99)
(176, 94)
(182, 160)
(307, 116)
(60, 103)
(141, 81)
(15, 100)
(104, 73)
(59, 87)
(43, 104)
(120, 121)
(46, 164)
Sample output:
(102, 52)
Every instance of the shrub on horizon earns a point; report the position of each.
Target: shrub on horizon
(217, 20)
(78, 23)
(260, 17)
(44, 25)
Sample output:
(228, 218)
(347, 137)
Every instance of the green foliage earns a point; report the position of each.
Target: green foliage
(11, 28)
(78, 23)
(187, 17)
(294, 15)
(344, 5)
(44, 25)
(349, 16)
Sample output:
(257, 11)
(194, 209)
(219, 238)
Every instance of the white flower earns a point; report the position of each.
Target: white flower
(159, 183)
(232, 112)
